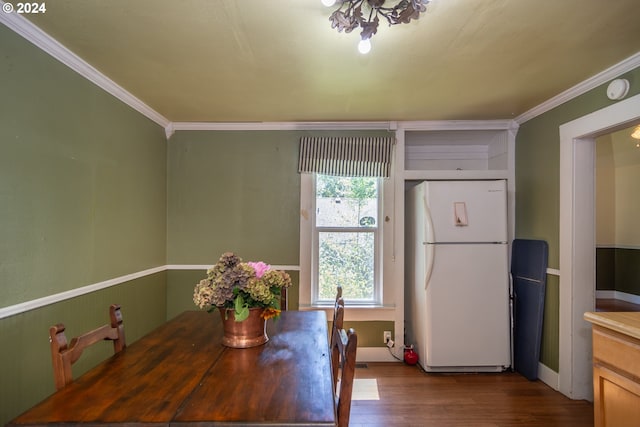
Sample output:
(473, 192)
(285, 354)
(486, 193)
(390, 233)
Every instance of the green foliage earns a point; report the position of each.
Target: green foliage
(360, 188)
(241, 308)
(347, 261)
(231, 283)
(347, 258)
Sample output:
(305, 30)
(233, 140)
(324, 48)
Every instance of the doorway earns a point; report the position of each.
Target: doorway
(577, 239)
(617, 234)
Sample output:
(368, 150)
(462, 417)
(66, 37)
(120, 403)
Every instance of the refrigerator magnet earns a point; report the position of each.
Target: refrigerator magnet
(460, 214)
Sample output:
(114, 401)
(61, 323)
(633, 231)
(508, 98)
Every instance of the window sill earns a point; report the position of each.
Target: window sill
(351, 306)
(368, 312)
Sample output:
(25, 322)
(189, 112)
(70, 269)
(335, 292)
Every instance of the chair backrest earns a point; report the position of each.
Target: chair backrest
(63, 355)
(284, 299)
(335, 322)
(343, 364)
(338, 293)
(338, 321)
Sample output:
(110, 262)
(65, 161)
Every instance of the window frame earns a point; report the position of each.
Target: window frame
(377, 231)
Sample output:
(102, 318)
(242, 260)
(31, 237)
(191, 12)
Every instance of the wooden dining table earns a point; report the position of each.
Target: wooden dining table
(181, 375)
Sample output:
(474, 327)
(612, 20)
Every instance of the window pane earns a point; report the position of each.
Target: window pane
(346, 201)
(346, 259)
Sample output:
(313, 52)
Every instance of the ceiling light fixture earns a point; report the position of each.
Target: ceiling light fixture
(636, 135)
(352, 14)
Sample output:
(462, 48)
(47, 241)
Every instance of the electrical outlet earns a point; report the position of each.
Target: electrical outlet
(387, 336)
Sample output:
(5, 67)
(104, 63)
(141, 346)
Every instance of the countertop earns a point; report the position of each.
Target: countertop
(624, 322)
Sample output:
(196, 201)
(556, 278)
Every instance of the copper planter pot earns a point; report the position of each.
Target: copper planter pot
(251, 332)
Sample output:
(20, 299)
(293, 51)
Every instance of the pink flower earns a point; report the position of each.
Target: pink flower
(260, 268)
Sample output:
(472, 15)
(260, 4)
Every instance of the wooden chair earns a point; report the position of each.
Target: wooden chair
(338, 319)
(338, 298)
(64, 355)
(338, 293)
(343, 364)
(337, 323)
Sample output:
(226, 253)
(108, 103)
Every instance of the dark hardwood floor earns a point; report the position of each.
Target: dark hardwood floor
(615, 305)
(409, 396)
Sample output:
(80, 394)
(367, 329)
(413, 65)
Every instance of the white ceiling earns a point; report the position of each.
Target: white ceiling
(280, 61)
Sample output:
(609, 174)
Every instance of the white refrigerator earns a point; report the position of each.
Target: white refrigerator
(458, 314)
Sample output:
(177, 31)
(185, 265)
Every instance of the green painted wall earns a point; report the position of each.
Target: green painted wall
(627, 271)
(82, 179)
(538, 192)
(606, 269)
(233, 191)
(618, 269)
(237, 191)
(82, 200)
(230, 191)
(370, 333)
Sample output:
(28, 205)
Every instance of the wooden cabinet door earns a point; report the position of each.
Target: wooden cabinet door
(616, 399)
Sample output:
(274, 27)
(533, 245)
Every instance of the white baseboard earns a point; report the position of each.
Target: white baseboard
(548, 376)
(623, 296)
(605, 294)
(381, 354)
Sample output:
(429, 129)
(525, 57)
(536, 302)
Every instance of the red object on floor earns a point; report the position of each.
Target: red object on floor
(410, 356)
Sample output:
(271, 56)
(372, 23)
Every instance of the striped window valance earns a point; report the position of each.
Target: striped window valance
(346, 156)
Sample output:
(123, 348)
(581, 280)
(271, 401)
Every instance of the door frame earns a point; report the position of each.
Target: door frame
(577, 239)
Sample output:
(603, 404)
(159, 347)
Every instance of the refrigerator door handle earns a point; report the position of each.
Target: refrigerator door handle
(429, 255)
(429, 247)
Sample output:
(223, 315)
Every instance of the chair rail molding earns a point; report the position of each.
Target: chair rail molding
(72, 293)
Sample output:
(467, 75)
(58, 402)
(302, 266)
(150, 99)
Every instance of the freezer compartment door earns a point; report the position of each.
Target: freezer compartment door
(467, 307)
(466, 211)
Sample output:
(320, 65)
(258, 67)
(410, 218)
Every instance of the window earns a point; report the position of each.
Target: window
(346, 239)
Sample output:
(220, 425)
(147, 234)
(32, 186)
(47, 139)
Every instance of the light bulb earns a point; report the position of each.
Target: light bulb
(364, 46)
(328, 3)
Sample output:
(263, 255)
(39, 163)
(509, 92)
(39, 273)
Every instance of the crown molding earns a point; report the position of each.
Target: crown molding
(48, 44)
(282, 126)
(380, 125)
(610, 73)
(437, 125)
(169, 130)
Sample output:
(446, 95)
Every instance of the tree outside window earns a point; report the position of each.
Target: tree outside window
(346, 228)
